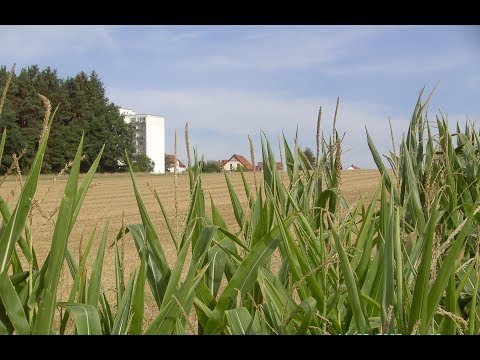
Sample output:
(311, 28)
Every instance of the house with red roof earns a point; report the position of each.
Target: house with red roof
(169, 160)
(235, 160)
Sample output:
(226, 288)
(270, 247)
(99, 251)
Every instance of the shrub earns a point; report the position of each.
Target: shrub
(142, 163)
(212, 166)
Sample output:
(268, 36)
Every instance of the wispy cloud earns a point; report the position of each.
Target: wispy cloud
(412, 64)
(34, 43)
(281, 47)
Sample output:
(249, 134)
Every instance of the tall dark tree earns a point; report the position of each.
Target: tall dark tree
(83, 109)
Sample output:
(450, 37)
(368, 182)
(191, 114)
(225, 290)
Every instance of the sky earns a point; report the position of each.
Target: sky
(229, 82)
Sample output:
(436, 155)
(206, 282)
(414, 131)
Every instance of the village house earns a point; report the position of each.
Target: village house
(169, 160)
(232, 163)
(353, 167)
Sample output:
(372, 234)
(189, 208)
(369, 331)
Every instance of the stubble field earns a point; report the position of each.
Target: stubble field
(111, 198)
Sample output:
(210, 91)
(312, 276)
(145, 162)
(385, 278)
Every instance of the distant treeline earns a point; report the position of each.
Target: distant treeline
(83, 107)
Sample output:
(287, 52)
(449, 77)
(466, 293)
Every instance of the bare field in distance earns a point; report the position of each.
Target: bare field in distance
(111, 196)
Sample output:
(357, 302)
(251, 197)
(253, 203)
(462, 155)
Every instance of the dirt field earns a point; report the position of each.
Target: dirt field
(112, 195)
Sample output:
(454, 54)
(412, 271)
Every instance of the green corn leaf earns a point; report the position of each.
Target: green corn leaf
(361, 248)
(76, 287)
(167, 220)
(217, 218)
(204, 303)
(106, 315)
(399, 272)
(122, 320)
(378, 160)
(21, 240)
(44, 321)
(139, 298)
(84, 185)
(446, 271)
(237, 207)
(241, 322)
(243, 280)
(119, 275)
(418, 310)
(18, 278)
(177, 270)
(278, 301)
(217, 258)
(170, 317)
(305, 313)
(154, 274)
(96, 275)
(388, 277)
(16, 223)
(246, 187)
(154, 246)
(13, 306)
(473, 308)
(87, 321)
(464, 278)
(353, 293)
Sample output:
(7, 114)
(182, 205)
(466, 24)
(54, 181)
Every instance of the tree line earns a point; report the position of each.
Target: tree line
(83, 108)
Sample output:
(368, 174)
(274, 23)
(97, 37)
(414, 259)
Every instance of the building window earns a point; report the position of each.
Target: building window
(142, 119)
(231, 166)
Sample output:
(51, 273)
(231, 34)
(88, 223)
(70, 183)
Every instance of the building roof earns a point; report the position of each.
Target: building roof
(144, 115)
(171, 158)
(241, 159)
(129, 112)
(279, 165)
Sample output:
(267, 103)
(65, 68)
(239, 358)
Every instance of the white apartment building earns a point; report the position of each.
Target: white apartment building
(149, 136)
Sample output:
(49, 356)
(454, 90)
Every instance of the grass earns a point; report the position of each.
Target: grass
(295, 255)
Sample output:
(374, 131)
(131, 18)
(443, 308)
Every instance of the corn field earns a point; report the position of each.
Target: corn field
(405, 262)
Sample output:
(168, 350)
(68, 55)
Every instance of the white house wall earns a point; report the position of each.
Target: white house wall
(233, 162)
(180, 169)
(155, 141)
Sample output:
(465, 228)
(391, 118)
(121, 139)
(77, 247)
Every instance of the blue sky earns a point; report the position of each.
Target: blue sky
(231, 81)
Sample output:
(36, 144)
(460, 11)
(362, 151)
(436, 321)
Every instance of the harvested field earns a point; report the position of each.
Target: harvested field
(111, 197)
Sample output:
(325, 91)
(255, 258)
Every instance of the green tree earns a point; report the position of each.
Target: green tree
(309, 155)
(211, 166)
(22, 116)
(83, 109)
(142, 163)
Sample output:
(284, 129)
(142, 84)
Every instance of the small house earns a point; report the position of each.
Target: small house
(169, 160)
(235, 160)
